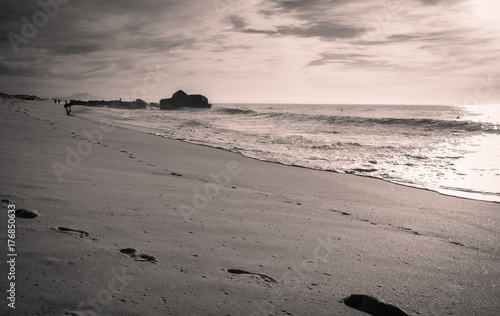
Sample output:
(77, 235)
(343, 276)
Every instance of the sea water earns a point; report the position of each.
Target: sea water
(454, 150)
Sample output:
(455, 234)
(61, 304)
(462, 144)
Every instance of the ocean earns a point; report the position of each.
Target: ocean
(454, 150)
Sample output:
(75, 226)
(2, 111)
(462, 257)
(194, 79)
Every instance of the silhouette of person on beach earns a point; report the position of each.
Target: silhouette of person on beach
(67, 107)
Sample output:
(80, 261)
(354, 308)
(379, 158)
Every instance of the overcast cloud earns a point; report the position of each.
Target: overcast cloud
(303, 51)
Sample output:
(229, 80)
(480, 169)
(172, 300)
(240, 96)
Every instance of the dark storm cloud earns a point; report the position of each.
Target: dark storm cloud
(333, 13)
(317, 20)
(361, 61)
(237, 22)
(307, 10)
(335, 58)
(110, 43)
(402, 37)
(254, 31)
(459, 39)
(321, 5)
(307, 5)
(94, 34)
(18, 70)
(82, 27)
(430, 2)
(325, 30)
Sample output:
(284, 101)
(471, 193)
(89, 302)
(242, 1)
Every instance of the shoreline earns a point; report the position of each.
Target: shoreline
(458, 194)
(150, 225)
(475, 196)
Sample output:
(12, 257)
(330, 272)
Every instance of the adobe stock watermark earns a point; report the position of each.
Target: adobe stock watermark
(379, 21)
(74, 157)
(293, 278)
(151, 80)
(104, 297)
(223, 8)
(483, 91)
(440, 304)
(201, 199)
(29, 29)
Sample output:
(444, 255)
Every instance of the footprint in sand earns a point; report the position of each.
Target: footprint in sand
(372, 306)
(132, 254)
(24, 213)
(130, 155)
(74, 232)
(262, 276)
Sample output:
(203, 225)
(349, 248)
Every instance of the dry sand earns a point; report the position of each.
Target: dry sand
(145, 225)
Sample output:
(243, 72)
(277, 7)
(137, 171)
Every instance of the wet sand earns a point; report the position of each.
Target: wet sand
(135, 224)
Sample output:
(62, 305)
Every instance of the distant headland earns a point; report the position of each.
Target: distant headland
(179, 99)
(20, 96)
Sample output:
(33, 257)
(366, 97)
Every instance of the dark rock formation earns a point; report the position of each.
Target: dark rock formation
(138, 104)
(143, 104)
(5, 96)
(179, 95)
(26, 97)
(182, 99)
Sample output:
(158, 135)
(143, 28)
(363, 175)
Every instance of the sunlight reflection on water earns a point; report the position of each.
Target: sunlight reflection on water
(421, 146)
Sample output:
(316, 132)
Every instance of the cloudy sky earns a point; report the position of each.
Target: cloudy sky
(281, 51)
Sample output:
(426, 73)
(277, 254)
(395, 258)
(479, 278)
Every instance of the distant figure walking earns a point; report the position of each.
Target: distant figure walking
(67, 107)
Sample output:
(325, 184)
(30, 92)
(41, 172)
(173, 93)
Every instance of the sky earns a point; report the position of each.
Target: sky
(254, 51)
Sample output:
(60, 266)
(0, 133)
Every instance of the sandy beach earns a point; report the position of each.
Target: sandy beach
(135, 224)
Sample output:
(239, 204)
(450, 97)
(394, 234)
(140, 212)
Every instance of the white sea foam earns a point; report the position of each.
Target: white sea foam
(448, 149)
